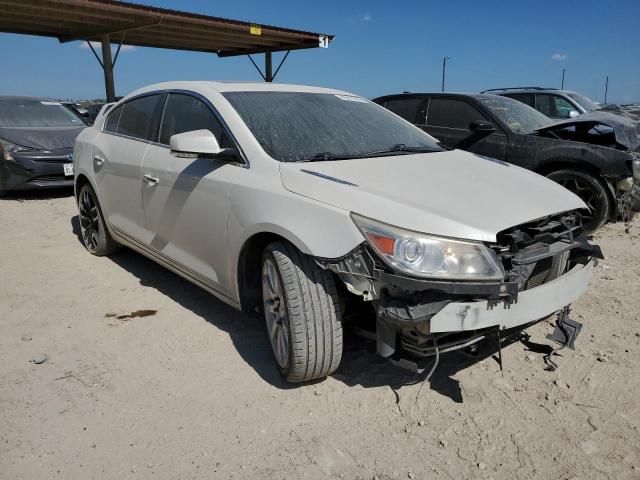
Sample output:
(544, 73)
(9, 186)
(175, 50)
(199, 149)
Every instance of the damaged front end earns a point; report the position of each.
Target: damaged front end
(546, 266)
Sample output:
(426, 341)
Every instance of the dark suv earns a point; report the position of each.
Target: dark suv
(596, 155)
(554, 103)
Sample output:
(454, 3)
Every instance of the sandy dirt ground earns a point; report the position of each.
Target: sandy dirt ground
(192, 393)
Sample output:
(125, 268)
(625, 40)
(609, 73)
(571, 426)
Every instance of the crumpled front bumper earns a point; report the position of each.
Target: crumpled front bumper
(534, 304)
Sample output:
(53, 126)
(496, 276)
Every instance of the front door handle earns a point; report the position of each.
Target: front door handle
(151, 181)
(99, 159)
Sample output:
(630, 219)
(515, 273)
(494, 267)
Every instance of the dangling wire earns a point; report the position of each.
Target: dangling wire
(433, 368)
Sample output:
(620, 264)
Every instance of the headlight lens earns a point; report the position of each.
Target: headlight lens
(429, 256)
(7, 148)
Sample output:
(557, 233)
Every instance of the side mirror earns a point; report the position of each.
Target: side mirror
(573, 113)
(198, 143)
(481, 126)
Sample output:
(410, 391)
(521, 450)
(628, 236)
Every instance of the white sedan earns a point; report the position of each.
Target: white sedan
(317, 207)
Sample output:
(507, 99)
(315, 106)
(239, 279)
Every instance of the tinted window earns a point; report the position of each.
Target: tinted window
(36, 113)
(138, 117)
(298, 126)
(553, 105)
(522, 97)
(406, 108)
(184, 113)
(112, 120)
(449, 113)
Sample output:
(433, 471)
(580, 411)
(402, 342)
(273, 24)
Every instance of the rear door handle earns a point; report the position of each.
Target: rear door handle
(99, 159)
(151, 181)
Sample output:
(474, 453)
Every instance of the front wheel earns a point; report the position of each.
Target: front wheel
(591, 190)
(302, 314)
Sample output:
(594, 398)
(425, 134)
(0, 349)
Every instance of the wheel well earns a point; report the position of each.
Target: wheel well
(551, 166)
(249, 264)
(81, 181)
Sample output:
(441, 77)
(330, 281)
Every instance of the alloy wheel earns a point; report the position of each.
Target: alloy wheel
(89, 220)
(585, 191)
(275, 312)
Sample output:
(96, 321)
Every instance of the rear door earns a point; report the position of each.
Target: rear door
(448, 120)
(407, 107)
(117, 156)
(185, 199)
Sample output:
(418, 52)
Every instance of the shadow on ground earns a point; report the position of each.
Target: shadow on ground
(23, 196)
(360, 364)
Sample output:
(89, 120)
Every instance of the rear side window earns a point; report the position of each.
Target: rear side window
(444, 112)
(112, 120)
(406, 108)
(139, 117)
(526, 98)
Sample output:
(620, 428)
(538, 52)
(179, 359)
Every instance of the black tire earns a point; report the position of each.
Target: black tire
(591, 190)
(95, 236)
(312, 313)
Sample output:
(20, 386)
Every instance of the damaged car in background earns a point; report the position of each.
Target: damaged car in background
(319, 209)
(595, 155)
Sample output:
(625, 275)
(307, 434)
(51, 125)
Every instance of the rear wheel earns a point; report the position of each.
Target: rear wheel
(95, 236)
(591, 190)
(302, 315)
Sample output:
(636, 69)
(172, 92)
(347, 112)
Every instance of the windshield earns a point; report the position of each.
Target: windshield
(516, 115)
(585, 102)
(300, 126)
(35, 113)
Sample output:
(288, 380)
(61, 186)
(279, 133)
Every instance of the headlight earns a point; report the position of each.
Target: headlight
(7, 148)
(429, 256)
(636, 167)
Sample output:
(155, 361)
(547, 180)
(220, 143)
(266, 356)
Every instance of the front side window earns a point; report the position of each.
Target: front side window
(406, 108)
(139, 117)
(449, 113)
(184, 113)
(29, 113)
(301, 126)
(554, 105)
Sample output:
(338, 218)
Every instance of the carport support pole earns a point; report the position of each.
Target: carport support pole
(107, 67)
(268, 67)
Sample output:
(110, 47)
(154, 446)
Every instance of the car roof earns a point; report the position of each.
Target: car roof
(435, 94)
(526, 90)
(221, 87)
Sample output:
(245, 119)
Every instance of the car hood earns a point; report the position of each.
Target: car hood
(453, 193)
(625, 128)
(41, 138)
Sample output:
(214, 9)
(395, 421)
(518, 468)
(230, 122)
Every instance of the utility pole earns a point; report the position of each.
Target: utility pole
(444, 69)
(562, 86)
(606, 89)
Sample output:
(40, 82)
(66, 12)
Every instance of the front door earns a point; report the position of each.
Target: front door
(448, 120)
(186, 200)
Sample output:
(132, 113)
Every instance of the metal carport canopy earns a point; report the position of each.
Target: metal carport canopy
(132, 24)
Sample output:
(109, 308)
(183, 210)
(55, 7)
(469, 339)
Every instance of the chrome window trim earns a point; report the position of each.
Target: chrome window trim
(245, 161)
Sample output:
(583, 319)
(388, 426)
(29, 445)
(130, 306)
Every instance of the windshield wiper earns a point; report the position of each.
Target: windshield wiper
(398, 149)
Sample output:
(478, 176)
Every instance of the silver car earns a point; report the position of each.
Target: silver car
(318, 208)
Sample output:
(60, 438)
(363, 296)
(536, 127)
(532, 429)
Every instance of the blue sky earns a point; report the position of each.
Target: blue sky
(380, 47)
